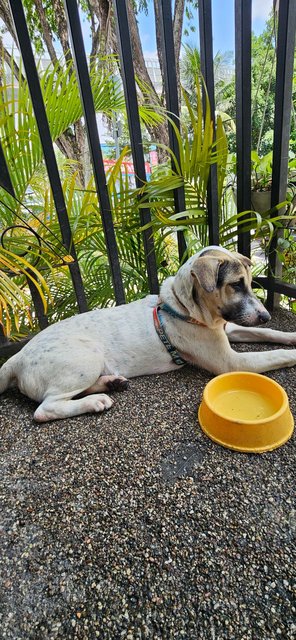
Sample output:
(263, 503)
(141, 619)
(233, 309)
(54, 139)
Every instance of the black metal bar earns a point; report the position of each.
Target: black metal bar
(79, 55)
(207, 69)
(172, 103)
(129, 85)
(37, 300)
(47, 145)
(5, 180)
(243, 26)
(279, 286)
(282, 121)
(3, 338)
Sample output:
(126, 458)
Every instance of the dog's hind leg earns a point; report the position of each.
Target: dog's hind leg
(6, 375)
(58, 407)
(236, 333)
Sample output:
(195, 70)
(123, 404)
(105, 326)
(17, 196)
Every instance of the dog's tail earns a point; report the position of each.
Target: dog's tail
(6, 375)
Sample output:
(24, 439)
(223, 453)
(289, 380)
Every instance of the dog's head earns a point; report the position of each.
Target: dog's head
(219, 285)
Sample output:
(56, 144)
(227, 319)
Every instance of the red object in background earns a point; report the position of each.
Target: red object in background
(153, 158)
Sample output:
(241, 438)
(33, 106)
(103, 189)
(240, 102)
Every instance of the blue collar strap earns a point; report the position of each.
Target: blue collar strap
(166, 307)
(159, 326)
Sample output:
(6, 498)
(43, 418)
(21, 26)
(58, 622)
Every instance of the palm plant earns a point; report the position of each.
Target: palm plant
(25, 213)
(191, 70)
(198, 150)
(90, 244)
(15, 300)
(18, 127)
(32, 209)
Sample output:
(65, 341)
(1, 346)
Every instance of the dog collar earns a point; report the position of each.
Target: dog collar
(159, 326)
(175, 314)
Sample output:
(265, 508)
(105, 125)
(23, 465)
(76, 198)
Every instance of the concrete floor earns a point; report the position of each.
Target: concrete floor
(133, 524)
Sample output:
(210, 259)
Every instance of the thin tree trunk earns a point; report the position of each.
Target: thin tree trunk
(70, 145)
(178, 28)
(159, 44)
(5, 15)
(159, 132)
(177, 35)
(46, 32)
(10, 61)
(62, 28)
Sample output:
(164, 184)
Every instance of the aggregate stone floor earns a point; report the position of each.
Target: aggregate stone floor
(133, 524)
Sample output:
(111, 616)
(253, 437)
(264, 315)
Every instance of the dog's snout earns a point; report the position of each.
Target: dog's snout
(263, 316)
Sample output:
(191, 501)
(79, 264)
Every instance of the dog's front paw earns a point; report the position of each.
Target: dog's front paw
(100, 402)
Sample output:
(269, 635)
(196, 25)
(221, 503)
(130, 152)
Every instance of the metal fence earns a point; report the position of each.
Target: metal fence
(283, 101)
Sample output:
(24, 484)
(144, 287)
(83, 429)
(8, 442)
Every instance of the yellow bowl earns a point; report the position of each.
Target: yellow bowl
(246, 412)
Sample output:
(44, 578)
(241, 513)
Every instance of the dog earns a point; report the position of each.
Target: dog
(69, 367)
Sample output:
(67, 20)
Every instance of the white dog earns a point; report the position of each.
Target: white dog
(190, 321)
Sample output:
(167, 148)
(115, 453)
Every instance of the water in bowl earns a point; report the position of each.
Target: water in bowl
(240, 404)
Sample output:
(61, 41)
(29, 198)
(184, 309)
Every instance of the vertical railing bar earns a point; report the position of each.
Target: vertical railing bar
(47, 145)
(282, 122)
(172, 104)
(129, 85)
(81, 65)
(207, 70)
(37, 300)
(5, 180)
(243, 25)
(3, 338)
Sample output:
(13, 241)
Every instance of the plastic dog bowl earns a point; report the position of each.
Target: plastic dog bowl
(246, 412)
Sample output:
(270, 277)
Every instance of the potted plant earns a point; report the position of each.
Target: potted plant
(261, 181)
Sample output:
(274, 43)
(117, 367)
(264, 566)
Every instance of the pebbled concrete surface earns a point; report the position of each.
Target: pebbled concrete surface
(134, 525)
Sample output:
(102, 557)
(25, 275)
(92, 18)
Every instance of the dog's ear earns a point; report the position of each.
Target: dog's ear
(206, 271)
(244, 260)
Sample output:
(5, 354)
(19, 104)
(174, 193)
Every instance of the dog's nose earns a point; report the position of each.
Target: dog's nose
(263, 316)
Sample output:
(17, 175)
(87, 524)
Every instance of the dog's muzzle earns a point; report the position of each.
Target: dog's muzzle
(249, 312)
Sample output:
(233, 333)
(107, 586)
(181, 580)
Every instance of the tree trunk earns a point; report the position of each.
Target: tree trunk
(5, 15)
(159, 45)
(178, 27)
(159, 132)
(46, 32)
(70, 145)
(10, 61)
(62, 28)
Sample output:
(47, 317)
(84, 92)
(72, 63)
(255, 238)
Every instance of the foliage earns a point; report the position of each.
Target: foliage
(263, 86)
(18, 127)
(261, 171)
(33, 229)
(286, 249)
(15, 299)
(263, 72)
(49, 33)
(88, 235)
(198, 151)
(190, 70)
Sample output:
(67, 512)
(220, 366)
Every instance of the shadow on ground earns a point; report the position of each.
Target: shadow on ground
(133, 524)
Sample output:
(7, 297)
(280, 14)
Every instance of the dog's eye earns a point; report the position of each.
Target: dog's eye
(238, 286)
